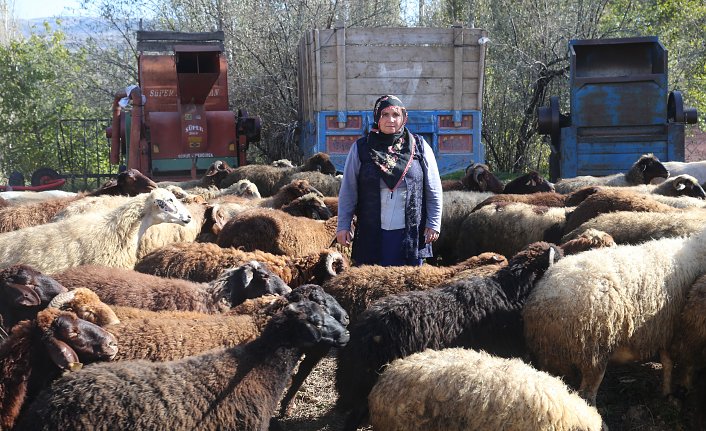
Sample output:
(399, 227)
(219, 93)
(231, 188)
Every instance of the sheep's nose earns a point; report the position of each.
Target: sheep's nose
(186, 219)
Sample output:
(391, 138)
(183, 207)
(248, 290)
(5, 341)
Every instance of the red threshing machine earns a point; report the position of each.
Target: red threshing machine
(180, 121)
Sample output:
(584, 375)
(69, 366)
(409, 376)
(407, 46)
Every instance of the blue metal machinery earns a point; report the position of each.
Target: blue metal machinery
(620, 109)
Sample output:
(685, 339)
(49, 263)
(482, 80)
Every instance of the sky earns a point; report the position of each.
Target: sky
(29, 9)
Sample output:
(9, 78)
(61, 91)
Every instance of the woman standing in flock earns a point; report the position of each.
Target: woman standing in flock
(391, 183)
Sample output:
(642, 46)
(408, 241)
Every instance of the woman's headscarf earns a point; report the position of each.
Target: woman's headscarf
(391, 153)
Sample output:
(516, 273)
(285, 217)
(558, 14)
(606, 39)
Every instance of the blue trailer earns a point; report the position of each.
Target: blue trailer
(437, 73)
(620, 109)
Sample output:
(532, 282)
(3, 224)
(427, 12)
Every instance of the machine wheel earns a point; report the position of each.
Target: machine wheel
(43, 176)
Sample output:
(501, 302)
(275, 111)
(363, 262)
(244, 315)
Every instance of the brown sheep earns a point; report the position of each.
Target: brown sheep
(39, 350)
(328, 185)
(203, 262)
(267, 177)
(612, 200)
(588, 240)
(276, 232)
(477, 178)
(546, 199)
(119, 286)
(23, 292)
(358, 287)
(130, 183)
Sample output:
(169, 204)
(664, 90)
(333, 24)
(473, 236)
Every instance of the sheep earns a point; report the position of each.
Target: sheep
(695, 169)
(477, 178)
(130, 182)
(642, 171)
(507, 227)
(235, 388)
(457, 206)
(679, 185)
(39, 350)
(627, 227)
(328, 185)
(282, 163)
(611, 200)
(624, 302)
(357, 288)
(547, 199)
(276, 232)
(331, 203)
(202, 262)
(459, 389)
(689, 343)
(528, 183)
(587, 240)
(310, 206)
(267, 177)
(109, 239)
(23, 292)
(213, 176)
(476, 312)
(133, 289)
(243, 188)
(681, 202)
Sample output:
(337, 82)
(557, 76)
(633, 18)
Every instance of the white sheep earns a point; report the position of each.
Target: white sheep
(642, 171)
(634, 227)
(612, 304)
(458, 389)
(109, 239)
(695, 169)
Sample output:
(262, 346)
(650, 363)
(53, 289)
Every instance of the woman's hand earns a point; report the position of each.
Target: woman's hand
(344, 237)
(430, 235)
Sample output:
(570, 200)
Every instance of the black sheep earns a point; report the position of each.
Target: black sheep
(530, 182)
(477, 312)
(236, 388)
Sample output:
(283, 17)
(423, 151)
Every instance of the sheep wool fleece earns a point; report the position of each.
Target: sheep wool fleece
(366, 246)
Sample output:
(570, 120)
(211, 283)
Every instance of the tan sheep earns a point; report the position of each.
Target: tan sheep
(458, 389)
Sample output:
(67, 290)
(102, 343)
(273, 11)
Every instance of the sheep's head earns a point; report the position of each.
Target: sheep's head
(24, 291)
(133, 182)
(250, 280)
(645, 169)
(164, 207)
(246, 189)
(685, 185)
(575, 198)
(320, 162)
(297, 189)
(216, 173)
(308, 323)
(530, 182)
(310, 205)
(330, 264)
(315, 293)
(588, 240)
(478, 178)
(87, 306)
(71, 341)
(282, 163)
(535, 259)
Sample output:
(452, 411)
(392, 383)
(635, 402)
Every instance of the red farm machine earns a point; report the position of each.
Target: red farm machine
(180, 121)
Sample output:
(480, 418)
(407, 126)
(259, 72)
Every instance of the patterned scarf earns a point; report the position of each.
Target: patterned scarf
(392, 154)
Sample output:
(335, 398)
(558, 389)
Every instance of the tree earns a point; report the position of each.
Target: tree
(41, 85)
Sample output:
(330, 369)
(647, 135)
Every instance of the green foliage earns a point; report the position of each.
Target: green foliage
(40, 87)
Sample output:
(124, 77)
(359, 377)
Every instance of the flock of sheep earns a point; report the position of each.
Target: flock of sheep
(189, 305)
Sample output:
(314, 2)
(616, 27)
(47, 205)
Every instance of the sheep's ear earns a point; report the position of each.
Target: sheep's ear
(22, 295)
(552, 255)
(219, 219)
(63, 355)
(679, 185)
(246, 275)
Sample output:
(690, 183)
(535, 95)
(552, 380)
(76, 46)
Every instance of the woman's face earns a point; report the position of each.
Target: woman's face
(391, 120)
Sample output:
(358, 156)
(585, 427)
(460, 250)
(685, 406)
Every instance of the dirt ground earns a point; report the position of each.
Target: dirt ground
(629, 400)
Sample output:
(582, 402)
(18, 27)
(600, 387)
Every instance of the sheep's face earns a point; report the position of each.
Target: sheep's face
(87, 306)
(686, 185)
(252, 280)
(313, 324)
(478, 178)
(310, 206)
(312, 292)
(536, 258)
(528, 183)
(132, 182)
(166, 208)
(320, 162)
(87, 341)
(216, 173)
(23, 287)
(651, 168)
